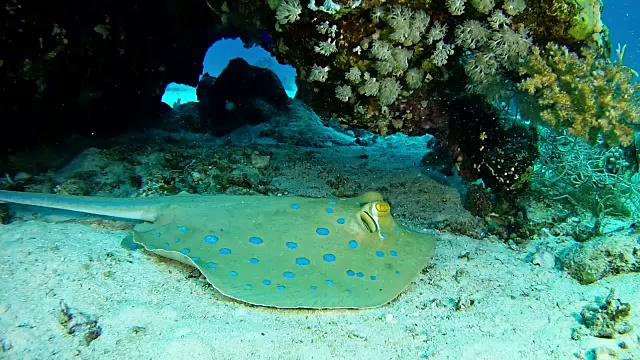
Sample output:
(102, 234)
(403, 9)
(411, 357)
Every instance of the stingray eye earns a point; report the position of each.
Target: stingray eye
(383, 207)
(368, 221)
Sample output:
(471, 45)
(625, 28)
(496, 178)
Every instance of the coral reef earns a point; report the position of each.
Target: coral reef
(389, 65)
(375, 56)
(409, 49)
(478, 201)
(603, 181)
(482, 147)
(588, 95)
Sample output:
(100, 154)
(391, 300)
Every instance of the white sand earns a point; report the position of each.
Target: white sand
(521, 311)
(151, 308)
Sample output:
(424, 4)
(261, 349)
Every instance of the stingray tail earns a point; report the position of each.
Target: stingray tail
(115, 207)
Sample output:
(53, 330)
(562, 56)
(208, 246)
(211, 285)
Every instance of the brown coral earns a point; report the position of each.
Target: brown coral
(589, 95)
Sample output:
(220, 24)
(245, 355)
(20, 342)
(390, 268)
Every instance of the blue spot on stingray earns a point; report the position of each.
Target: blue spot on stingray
(331, 203)
(322, 231)
(329, 210)
(134, 246)
(224, 251)
(329, 282)
(383, 235)
(288, 274)
(314, 288)
(295, 206)
(302, 261)
(353, 244)
(176, 240)
(349, 292)
(343, 199)
(397, 229)
(254, 260)
(360, 275)
(156, 234)
(350, 273)
(379, 254)
(166, 244)
(393, 253)
(183, 228)
(255, 240)
(329, 257)
(195, 258)
(373, 277)
(185, 251)
(291, 245)
(211, 239)
(398, 273)
(266, 282)
(280, 288)
(340, 221)
(233, 273)
(248, 286)
(211, 264)
(357, 202)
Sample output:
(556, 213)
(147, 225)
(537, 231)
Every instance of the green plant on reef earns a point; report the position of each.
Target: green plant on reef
(588, 95)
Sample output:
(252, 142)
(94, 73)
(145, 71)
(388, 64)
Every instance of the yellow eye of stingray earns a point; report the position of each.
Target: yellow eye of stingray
(383, 207)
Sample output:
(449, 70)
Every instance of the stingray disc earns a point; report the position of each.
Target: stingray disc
(292, 252)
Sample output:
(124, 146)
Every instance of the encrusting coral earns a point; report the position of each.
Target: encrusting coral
(588, 95)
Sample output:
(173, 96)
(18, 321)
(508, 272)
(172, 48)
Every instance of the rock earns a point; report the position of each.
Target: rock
(604, 353)
(608, 319)
(544, 259)
(21, 176)
(260, 161)
(602, 256)
(243, 94)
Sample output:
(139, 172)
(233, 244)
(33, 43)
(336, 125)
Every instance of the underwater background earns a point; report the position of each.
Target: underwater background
(328, 179)
(622, 19)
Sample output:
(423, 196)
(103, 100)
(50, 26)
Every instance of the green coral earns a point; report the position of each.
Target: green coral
(563, 21)
(587, 22)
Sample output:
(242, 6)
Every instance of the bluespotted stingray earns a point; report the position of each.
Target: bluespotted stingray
(283, 252)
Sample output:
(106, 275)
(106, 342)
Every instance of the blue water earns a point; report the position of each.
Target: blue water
(622, 17)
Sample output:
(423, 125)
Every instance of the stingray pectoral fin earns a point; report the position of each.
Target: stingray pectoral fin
(292, 252)
(174, 256)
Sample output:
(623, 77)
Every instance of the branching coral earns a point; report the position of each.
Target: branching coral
(288, 11)
(344, 93)
(414, 78)
(456, 7)
(602, 180)
(318, 73)
(408, 25)
(493, 48)
(510, 46)
(484, 6)
(389, 90)
(441, 53)
(514, 7)
(589, 95)
(471, 34)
